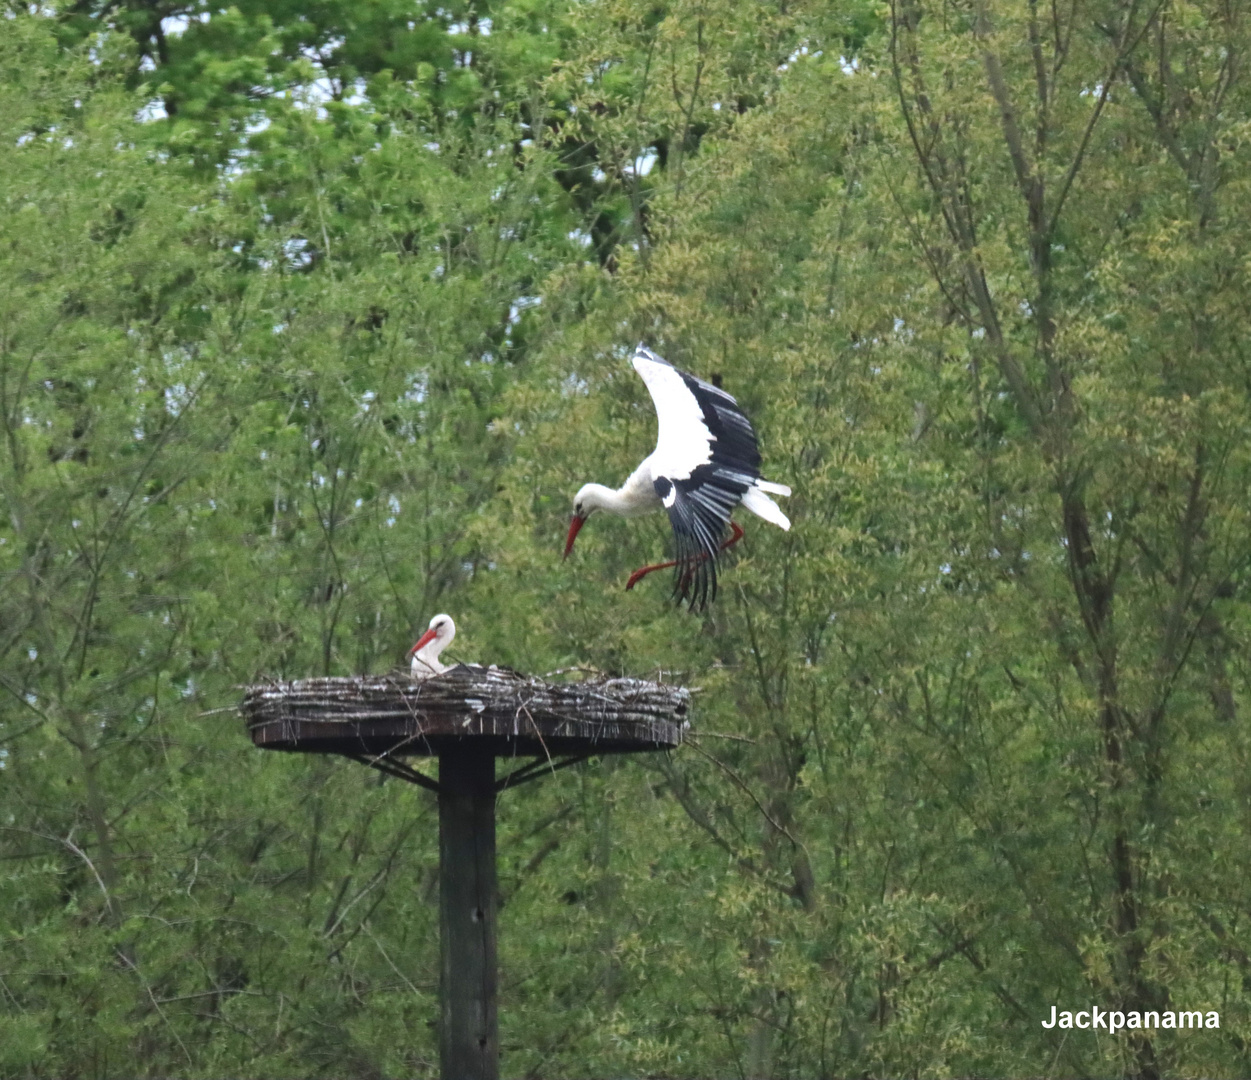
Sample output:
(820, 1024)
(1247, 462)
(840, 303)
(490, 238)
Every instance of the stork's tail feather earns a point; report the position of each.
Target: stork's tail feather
(762, 506)
(772, 488)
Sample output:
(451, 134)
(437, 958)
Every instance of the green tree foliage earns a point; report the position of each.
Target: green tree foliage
(991, 674)
(330, 347)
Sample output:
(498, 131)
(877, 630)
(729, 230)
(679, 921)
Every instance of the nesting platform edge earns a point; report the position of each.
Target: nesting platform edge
(514, 715)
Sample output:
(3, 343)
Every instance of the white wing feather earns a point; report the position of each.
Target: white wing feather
(683, 441)
(772, 488)
(762, 506)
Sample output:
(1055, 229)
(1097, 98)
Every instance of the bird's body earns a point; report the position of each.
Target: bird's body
(425, 653)
(706, 463)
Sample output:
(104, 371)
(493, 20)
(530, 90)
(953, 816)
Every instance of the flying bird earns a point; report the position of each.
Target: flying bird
(425, 653)
(706, 463)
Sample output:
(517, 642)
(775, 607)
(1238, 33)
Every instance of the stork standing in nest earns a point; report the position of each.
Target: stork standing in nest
(706, 463)
(425, 653)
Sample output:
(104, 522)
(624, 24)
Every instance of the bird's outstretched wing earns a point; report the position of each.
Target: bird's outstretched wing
(706, 459)
(699, 511)
(698, 423)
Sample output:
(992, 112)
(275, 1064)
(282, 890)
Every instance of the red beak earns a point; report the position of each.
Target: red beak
(426, 637)
(574, 526)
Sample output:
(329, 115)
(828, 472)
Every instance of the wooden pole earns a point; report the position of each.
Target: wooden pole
(469, 1045)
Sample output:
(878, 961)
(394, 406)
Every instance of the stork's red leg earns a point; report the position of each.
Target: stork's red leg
(643, 571)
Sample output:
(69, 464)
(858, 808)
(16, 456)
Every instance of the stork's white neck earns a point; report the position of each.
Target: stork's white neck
(599, 497)
(635, 496)
(426, 659)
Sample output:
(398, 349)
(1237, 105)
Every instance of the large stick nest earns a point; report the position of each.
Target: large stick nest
(515, 713)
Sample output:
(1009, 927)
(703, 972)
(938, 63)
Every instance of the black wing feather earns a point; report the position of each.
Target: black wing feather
(734, 440)
(699, 510)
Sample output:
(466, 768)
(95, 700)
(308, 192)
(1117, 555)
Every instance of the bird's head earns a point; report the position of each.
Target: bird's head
(584, 503)
(442, 630)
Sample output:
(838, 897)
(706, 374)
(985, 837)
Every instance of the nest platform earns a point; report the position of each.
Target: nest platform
(389, 716)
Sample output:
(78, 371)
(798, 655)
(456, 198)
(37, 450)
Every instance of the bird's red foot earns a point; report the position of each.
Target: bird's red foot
(643, 571)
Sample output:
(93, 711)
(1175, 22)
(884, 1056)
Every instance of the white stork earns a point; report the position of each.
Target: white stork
(705, 463)
(425, 653)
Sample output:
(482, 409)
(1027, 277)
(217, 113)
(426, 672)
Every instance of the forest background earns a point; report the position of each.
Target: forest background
(314, 316)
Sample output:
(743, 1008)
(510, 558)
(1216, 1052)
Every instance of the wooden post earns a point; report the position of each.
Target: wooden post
(469, 1045)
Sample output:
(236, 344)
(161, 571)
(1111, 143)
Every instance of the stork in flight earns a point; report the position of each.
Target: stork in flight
(425, 653)
(705, 463)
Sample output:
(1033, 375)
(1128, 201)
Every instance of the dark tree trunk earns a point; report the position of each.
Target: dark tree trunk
(469, 1034)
